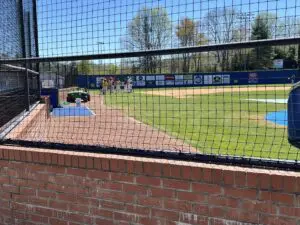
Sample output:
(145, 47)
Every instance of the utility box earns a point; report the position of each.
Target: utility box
(294, 116)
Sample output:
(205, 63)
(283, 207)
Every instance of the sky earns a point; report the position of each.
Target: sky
(79, 27)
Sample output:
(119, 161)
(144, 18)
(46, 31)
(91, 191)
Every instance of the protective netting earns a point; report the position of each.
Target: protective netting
(207, 77)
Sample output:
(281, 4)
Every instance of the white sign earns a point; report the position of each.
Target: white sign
(178, 77)
(226, 79)
(140, 83)
(278, 63)
(188, 82)
(160, 82)
(179, 82)
(150, 78)
(208, 79)
(170, 82)
(160, 77)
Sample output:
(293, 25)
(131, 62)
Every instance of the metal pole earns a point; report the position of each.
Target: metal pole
(27, 94)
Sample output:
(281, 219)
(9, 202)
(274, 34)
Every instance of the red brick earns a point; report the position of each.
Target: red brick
(82, 161)
(75, 161)
(248, 217)
(77, 172)
(117, 165)
(118, 196)
(4, 180)
(54, 159)
(180, 206)
(148, 201)
(240, 179)
(28, 191)
(96, 174)
(58, 205)
(219, 212)
(78, 208)
(196, 174)
(150, 221)
(68, 160)
(39, 219)
(273, 220)
(139, 210)
(119, 177)
(80, 218)
(240, 193)
(207, 175)
(112, 205)
(56, 170)
(10, 188)
(188, 218)
(289, 211)
(44, 211)
(161, 213)
(191, 196)
(290, 184)
(48, 158)
(161, 193)
(200, 209)
(282, 198)
(58, 222)
(153, 169)
(264, 181)
(89, 162)
(61, 160)
(276, 182)
(102, 212)
(217, 176)
(224, 201)
(206, 188)
(100, 221)
(252, 180)
(125, 217)
(134, 189)
(112, 186)
(97, 163)
(148, 181)
(105, 164)
(186, 172)
(176, 184)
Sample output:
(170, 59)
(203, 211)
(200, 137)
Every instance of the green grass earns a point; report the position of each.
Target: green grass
(223, 123)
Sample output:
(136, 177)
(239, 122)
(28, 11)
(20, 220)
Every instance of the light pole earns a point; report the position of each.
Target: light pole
(100, 43)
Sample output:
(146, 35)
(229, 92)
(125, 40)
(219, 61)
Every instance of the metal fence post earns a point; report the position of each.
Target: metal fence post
(27, 97)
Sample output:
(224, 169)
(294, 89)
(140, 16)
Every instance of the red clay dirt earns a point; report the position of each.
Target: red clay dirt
(109, 127)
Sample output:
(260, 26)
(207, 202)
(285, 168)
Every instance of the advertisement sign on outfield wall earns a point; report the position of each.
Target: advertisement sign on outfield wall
(198, 79)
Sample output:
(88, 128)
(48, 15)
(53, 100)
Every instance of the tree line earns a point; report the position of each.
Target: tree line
(152, 29)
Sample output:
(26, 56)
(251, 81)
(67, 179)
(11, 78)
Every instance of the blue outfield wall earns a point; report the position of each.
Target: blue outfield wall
(196, 79)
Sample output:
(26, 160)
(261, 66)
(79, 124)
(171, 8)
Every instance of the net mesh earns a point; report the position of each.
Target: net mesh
(110, 86)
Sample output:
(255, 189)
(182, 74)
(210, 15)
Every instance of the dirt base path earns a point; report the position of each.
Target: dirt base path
(184, 93)
(109, 127)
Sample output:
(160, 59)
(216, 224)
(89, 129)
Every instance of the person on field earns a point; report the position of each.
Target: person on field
(129, 86)
(111, 85)
(118, 86)
(104, 86)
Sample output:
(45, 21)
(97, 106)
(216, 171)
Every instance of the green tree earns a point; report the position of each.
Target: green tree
(84, 67)
(188, 34)
(261, 56)
(150, 29)
(221, 24)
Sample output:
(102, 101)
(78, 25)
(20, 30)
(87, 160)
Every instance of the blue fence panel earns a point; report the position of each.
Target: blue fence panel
(196, 79)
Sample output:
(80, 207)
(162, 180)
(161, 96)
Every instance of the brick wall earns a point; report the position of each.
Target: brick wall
(55, 187)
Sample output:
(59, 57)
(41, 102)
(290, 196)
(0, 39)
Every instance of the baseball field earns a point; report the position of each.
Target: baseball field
(216, 120)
